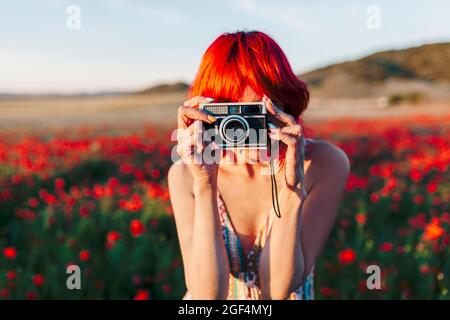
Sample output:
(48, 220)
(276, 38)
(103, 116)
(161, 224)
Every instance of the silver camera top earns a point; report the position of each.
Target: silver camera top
(228, 108)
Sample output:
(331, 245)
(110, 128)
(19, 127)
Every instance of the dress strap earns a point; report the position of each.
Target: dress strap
(222, 209)
(232, 243)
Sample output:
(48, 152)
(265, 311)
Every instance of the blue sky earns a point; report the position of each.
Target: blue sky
(131, 44)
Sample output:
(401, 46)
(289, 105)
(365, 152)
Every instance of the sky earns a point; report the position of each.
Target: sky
(123, 45)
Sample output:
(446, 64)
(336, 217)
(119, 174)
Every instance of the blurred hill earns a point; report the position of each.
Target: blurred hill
(407, 75)
(166, 88)
(421, 72)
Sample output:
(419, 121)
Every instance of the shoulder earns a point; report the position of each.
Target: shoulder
(179, 177)
(328, 160)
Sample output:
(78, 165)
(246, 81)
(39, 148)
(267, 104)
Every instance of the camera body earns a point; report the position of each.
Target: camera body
(238, 125)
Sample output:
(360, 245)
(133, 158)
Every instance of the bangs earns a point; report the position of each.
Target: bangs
(237, 60)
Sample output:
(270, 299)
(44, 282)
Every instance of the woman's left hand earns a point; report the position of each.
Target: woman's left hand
(291, 134)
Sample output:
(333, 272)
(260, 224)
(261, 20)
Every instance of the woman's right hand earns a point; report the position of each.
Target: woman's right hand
(191, 146)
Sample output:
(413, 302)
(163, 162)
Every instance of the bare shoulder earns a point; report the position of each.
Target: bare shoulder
(327, 159)
(179, 178)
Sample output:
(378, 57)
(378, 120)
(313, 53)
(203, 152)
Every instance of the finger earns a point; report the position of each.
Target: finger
(185, 137)
(191, 136)
(187, 114)
(186, 148)
(277, 113)
(185, 143)
(295, 130)
(199, 130)
(195, 101)
(277, 134)
(184, 133)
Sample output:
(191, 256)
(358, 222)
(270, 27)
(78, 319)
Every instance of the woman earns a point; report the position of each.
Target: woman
(233, 245)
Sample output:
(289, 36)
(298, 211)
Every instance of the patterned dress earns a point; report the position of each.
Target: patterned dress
(244, 282)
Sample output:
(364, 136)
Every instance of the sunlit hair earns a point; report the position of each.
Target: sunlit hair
(236, 60)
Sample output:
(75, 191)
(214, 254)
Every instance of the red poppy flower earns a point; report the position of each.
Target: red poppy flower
(386, 247)
(84, 255)
(154, 222)
(142, 295)
(432, 187)
(11, 275)
(10, 253)
(415, 175)
(329, 292)
(132, 205)
(33, 202)
(38, 280)
(4, 293)
(374, 197)
(344, 223)
(126, 168)
(26, 214)
(111, 238)
(30, 295)
(347, 256)
(84, 212)
(136, 228)
(166, 288)
(419, 199)
(433, 230)
(155, 173)
(361, 218)
(424, 269)
(59, 183)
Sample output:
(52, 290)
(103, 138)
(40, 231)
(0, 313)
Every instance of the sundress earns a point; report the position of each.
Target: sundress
(243, 281)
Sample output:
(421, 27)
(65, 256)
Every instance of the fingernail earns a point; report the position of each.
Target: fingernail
(211, 118)
(209, 100)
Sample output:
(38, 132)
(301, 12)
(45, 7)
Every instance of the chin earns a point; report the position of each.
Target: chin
(250, 156)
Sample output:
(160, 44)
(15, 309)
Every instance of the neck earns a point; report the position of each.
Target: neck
(244, 169)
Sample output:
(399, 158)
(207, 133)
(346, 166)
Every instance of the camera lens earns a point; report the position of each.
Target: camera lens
(236, 126)
(234, 129)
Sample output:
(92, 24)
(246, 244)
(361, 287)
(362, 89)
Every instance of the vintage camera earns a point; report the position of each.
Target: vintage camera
(238, 125)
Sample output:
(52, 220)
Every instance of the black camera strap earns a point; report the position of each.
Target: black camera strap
(273, 180)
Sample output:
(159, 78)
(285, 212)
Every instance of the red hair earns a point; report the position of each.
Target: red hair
(237, 60)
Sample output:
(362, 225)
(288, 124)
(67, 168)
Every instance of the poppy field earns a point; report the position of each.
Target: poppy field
(97, 197)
